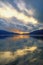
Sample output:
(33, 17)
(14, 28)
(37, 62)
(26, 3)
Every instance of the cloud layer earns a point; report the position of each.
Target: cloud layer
(21, 12)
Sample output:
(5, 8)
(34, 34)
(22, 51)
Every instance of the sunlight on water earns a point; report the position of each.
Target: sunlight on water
(19, 37)
(9, 56)
(21, 50)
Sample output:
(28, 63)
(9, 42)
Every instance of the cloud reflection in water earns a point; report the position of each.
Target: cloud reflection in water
(20, 50)
(8, 56)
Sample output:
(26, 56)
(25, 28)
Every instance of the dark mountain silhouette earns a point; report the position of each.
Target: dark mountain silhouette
(37, 34)
(4, 34)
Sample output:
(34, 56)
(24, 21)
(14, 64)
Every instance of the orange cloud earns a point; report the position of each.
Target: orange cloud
(18, 31)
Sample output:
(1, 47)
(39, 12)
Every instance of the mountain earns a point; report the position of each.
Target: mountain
(4, 34)
(37, 34)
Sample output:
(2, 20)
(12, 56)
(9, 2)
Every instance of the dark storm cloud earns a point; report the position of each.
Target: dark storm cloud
(12, 3)
(38, 6)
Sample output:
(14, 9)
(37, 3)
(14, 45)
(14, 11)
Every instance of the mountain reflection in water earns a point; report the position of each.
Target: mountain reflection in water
(21, 50)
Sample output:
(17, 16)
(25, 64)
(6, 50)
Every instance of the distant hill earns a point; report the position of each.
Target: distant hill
(37, 34)
(5, 34)
(34, 33)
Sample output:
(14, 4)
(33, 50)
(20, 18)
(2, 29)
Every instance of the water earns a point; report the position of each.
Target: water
(21, 50)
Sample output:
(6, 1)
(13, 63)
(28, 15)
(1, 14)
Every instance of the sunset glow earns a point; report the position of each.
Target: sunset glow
(21, 32)
(18, 31)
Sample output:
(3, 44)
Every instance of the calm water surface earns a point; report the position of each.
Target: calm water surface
(21, 50)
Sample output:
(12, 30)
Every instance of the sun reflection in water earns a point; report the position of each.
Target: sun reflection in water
(19, 37)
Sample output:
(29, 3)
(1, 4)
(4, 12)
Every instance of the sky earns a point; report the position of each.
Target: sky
(26, 15)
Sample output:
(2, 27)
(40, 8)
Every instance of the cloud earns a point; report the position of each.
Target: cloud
(25, 19)
(38, 6)
(22, 7)
(20, 4)
(9, 12)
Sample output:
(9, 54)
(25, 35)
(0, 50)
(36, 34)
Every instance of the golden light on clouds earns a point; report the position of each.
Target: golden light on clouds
(8, 12)
(18, 31)
(30, 12)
